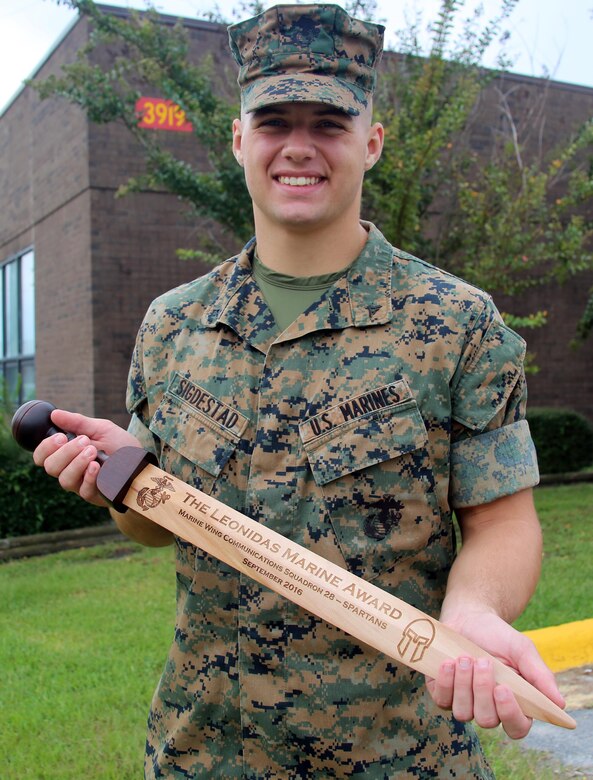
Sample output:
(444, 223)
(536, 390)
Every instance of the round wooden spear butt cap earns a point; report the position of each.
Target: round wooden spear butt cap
(32, 423)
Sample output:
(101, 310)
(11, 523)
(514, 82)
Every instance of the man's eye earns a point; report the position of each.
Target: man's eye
(330, 125)
(271, 123)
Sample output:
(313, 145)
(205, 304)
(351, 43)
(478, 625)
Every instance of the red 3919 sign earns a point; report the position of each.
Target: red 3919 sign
(160, 114)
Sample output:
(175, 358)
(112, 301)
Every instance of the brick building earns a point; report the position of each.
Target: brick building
(98, 261)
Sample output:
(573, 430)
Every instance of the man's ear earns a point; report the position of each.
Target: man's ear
(237, 137)
(374, 145)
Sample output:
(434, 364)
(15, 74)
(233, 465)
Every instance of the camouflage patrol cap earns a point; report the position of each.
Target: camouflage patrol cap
(306, 53)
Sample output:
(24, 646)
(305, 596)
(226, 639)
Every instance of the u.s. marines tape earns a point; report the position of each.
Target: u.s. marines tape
(363, 610)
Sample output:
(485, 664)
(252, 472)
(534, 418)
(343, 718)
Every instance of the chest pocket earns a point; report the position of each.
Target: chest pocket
(196, 446)
(378, 484)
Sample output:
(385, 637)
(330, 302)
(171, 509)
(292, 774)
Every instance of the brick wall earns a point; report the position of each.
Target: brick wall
(64, 353)
(565, 373)
(134, 260)
(134, 239)
(44, 203)
(547, 112)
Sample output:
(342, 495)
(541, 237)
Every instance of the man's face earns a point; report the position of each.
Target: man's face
(304, 163)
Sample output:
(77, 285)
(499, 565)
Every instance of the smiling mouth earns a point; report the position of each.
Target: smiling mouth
(299, 181)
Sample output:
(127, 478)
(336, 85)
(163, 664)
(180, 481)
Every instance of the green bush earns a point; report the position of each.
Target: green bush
(563, 440)
(32, 502)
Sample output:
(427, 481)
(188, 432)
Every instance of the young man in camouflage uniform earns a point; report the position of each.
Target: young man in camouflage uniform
(349, 396)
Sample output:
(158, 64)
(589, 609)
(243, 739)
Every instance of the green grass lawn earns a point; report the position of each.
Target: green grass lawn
(564, 590)
(84, 634)
(83, 637)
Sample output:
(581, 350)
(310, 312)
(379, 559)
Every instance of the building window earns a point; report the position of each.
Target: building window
(17, 327)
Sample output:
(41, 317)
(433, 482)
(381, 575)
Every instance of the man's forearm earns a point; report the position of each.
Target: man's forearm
(499, 563)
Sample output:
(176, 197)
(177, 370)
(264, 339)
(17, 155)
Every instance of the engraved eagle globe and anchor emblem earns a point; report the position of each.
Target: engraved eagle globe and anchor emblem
(151, 497)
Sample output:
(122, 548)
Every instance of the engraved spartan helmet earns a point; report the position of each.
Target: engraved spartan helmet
(416, 639)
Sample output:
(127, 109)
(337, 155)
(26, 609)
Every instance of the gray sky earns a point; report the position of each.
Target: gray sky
(547, 36)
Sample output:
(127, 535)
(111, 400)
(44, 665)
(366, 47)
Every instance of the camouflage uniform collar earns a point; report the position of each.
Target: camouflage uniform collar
(240, 273)
(362, 298)
(370, 281)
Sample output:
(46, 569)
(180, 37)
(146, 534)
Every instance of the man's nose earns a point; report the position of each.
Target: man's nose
(299, 145)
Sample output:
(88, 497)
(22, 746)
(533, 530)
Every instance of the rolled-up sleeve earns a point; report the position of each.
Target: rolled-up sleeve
(492, 464)
(492, 453)
(137, 396)
(137, 428)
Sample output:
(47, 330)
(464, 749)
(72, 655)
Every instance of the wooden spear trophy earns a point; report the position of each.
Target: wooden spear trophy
(130, 479)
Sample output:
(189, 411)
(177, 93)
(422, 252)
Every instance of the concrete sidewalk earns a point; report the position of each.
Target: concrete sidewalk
(573, 749)
(568, 651)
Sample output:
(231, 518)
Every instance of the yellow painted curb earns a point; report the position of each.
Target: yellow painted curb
(565, 647)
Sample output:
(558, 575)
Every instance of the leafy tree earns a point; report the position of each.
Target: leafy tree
(585, 326)
(153, 54)
(505, 221)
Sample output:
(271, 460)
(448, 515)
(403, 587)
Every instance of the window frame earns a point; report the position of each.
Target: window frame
(17, 366)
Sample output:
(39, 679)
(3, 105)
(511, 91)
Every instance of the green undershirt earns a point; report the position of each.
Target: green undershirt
(288, 296)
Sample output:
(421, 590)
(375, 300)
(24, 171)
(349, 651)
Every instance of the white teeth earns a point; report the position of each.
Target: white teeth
(298, 181)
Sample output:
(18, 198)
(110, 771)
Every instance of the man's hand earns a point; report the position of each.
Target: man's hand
(73, 462)
(466, 686)
(490, 583)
